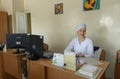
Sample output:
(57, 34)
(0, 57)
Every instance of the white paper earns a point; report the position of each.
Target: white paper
(89, 71)
(58, 59)
(92, 61)
(67, 52)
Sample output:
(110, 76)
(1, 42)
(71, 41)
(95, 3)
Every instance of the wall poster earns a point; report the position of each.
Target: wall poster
(58, 8)
(91, 5)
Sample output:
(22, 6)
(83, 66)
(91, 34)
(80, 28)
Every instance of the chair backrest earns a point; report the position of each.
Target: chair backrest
(45, 46)
(118, 56)
(99, 53)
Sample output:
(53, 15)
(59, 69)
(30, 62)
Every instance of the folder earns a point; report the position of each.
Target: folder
(70, 60)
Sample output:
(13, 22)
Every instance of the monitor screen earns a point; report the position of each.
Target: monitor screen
(32, 44)
(17, 41)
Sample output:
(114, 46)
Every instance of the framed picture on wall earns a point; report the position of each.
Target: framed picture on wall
(58, 8)
(91, 5)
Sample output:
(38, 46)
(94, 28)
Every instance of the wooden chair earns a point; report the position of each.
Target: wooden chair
(45, 46)
(100, 52)
(117, 65)
(103, 54)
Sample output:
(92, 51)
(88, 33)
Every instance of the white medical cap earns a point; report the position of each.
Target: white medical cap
(79, 26)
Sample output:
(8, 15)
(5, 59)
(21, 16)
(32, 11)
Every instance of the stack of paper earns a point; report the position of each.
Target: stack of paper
(88, 70)
(92, 61)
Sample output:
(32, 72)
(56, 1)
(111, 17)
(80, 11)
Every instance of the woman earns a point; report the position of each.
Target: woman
(81, 45)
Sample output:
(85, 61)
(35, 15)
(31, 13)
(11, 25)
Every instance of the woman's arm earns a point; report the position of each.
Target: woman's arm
(89, 51)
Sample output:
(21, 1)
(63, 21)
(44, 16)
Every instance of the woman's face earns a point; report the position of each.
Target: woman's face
(81, 32)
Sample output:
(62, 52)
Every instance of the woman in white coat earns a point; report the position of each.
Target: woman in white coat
(81, 45)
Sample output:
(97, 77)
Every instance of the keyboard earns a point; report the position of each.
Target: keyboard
(47, 54)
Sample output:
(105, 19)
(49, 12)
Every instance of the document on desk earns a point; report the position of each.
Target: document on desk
(58, 59)
(92, 61)
(89, 71)
(70, 60)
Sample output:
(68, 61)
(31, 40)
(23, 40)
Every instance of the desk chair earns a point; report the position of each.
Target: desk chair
(99, 53)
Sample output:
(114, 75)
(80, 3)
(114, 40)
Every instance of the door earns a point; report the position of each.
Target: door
(23, 22)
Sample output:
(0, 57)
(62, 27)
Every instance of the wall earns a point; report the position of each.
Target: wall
(6, 5)
(103, 25)
(0, 5)
(12, 6)
(18, 5)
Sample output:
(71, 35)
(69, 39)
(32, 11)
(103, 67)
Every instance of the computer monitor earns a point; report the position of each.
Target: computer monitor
(32, 44)
(17, 41)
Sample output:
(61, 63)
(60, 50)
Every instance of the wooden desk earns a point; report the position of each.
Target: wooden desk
(40, 69)
(1, 66)
(12, 64)
(43, 69)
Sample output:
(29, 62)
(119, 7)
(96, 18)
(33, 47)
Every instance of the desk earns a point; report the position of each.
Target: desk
(40, 69)
(1, 66)
(43, 69)
(12, 63)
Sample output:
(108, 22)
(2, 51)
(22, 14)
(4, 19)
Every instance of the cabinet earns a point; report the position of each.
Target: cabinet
(5, 25)
(117, 65)
(35, 70)
(1, 66)
(12, 64)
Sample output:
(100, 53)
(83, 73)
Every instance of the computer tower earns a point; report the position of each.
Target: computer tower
(35, 47)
